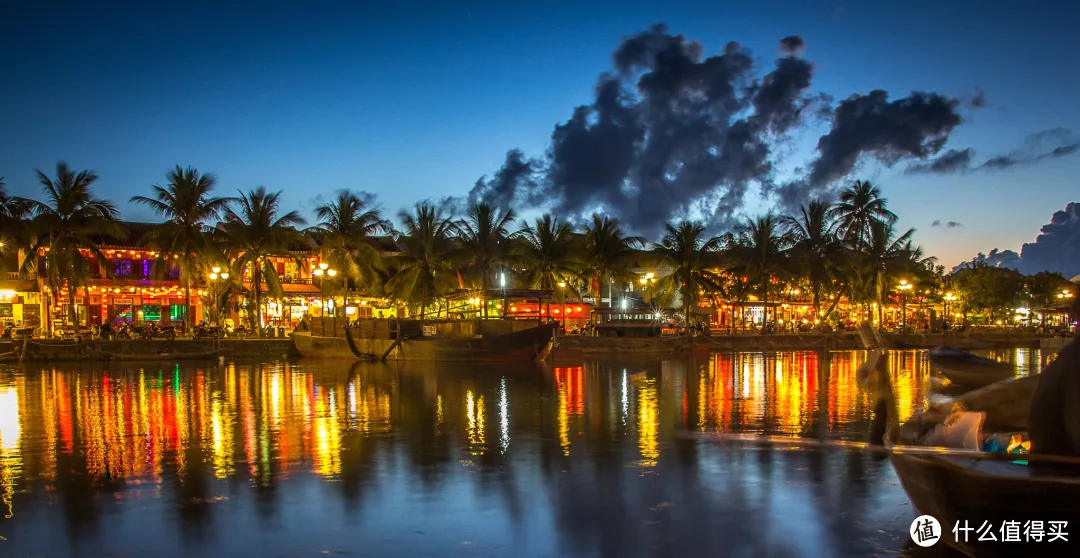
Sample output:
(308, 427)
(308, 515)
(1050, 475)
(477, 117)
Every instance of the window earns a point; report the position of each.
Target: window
(122, 268)
(151, 312)
(176, 312)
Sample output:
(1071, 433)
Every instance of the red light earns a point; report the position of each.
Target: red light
(554, 310)
(543, 310)
(578, 309)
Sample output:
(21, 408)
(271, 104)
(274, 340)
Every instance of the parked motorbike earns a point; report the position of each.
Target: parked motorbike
(206, 331)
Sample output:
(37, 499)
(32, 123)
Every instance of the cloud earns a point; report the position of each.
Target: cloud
(912, 127)
(1056, 248)
(946, 224)
(1040, 146)
(792, 45)
(672, 131)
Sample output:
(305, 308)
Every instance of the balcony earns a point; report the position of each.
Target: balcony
(17, 281)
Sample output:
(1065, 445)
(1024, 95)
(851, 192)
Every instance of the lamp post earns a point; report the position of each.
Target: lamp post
(903, 287)
(324, 269)
(1064, 296)
(949, 297)
(562, 295)
(215, 274)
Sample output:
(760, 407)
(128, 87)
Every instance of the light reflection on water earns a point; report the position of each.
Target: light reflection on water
(584, 458)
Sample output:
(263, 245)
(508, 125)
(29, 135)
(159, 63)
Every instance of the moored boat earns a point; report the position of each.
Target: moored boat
(448, 340)
(969, 370)
(995, 492)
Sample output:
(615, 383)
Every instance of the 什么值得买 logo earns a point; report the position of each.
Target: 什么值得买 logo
(925, 530)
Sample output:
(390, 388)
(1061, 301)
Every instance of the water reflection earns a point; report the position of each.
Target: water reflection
(249, 459)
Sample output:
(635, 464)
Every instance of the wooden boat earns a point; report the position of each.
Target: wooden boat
(450, 340)
(967, 369)
(958, 486)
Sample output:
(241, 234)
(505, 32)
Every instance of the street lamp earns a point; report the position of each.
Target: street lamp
(949, 297)
(562, 287)
(216, 274)
(904, 287)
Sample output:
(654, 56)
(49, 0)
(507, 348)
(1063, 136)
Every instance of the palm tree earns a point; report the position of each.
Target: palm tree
(759, 251)
(860, 205)
(12, 214)
(815, 249)
(69, 221)
(888, 258)
(343, 234)
(692, 257)
(485, 242)
(423, 267)
(253, 233)
(549, 253)
(608, 252)
(187, 206)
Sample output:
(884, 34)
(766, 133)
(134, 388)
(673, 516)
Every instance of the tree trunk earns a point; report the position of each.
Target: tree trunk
(765, 307)
(483, 292)
(423, 299)
(187, 302)
(71, 308)
(256, 284)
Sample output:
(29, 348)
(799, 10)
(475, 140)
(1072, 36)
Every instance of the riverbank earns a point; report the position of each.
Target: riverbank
(38, 350)
(800, 342)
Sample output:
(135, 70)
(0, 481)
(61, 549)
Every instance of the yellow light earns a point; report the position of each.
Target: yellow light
(331, 272)
(644, 280)
(318, 272)
(562, 284)
(363, 303)
(323, 265)
(216, 269)
(213, 276)
(225, 275)
(10, 427)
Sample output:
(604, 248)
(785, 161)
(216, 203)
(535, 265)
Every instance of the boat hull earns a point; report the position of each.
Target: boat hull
(524, 345)
(958, 489)
(969, 370)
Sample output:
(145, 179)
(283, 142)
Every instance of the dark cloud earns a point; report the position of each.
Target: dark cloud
(672, 130)
(951, 162)
(517, 175)
(996, 258)
(792, 45)
(1047, 144)
(690, 132)
(946, 224)
(1057, 248)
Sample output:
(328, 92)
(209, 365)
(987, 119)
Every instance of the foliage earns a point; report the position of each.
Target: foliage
(693, 259)
(550, 253)
(424, 268)
(343, 234)
(70, 221)
(253, 231)
(186, 203)
(608, 252)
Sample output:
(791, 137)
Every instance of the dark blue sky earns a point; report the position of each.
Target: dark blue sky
(413, 100)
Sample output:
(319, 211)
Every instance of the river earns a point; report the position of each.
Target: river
(604, 457)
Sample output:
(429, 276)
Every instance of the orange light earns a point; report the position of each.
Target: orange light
(554, 310)
(513, 308)
(578, 309)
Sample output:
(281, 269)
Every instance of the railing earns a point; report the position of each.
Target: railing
(296, 280)
(18, 276)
